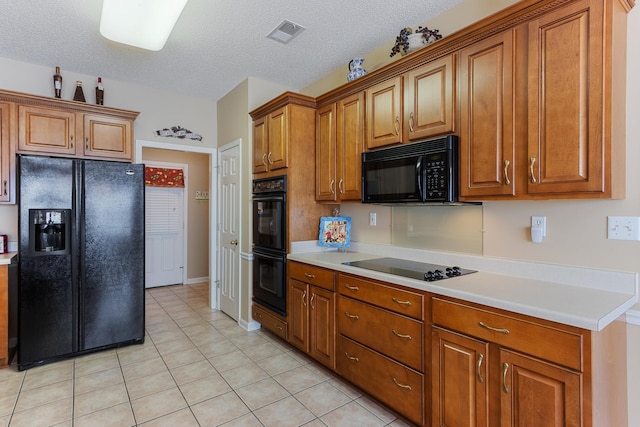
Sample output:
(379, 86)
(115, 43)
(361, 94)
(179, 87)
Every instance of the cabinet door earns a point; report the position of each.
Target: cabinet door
(322, 326)
(430, 99)
(459, 380)
(45, 130)
(107, 137)
(350, 144)
(277, 156)
(326, 153)
(486, 116)
(566, 143)
(260, 139)
(384, 113)
(536, 393)
(6, 160)
(298, 320)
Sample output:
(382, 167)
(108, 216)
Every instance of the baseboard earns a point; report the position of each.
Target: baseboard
(249, 326)
(197, 280)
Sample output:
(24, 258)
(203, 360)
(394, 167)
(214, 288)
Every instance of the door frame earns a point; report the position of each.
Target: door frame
(228, 146)
(185, 208)
(213, 202)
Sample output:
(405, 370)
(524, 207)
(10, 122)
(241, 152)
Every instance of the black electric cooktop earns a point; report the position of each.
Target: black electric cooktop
(411, 269)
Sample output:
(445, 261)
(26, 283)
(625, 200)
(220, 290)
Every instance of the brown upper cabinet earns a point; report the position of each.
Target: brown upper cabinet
(416, 105)
(277, 125)
(536, 93)
(487, 140)
(72, 129)
(339, 146)
(542, 107)
(7, 162)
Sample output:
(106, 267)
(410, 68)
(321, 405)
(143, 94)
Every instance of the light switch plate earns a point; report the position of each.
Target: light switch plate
(623, 227)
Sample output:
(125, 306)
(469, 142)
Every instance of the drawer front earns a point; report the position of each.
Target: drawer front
(389, 297)
(395, 385)
(555, 345)
(269, 321)
(313, 275)
(398, 337)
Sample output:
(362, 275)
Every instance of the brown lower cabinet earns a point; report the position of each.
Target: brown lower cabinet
(440, 361)
(4, 316)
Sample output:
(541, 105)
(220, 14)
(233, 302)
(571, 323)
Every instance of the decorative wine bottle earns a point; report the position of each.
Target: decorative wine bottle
(79, 95)
(100, 92)
(57, 83)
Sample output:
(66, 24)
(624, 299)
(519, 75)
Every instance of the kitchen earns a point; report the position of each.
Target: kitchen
(576, 229)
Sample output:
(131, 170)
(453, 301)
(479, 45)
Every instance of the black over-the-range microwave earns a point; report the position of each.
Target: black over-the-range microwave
(420, 172)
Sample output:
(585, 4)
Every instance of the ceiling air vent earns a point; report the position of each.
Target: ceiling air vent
(286, 31)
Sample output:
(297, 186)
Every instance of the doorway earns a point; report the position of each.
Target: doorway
(165, 230)
(204, 233)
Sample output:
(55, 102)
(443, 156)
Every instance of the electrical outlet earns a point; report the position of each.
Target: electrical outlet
(372, 219)
(540, 221)
(623, 227)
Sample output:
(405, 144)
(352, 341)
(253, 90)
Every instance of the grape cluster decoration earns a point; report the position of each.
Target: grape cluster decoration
(402, 40)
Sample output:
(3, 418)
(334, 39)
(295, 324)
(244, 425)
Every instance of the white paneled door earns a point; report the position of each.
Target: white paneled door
(164, 234)
(229, 217)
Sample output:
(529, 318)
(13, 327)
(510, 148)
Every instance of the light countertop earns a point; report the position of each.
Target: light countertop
(592, 301)
(6, 258)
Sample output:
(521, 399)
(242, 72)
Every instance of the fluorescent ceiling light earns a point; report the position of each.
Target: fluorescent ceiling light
(141, 23)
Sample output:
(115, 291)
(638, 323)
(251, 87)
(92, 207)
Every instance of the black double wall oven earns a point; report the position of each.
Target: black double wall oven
(270, 243)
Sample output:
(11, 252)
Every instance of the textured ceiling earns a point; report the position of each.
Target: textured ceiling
(215, 44)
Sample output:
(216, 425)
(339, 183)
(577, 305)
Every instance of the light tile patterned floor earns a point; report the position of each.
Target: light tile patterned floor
(197, 367)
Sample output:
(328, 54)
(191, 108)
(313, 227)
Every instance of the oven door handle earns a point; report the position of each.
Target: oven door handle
(258, 253)
(419, 171)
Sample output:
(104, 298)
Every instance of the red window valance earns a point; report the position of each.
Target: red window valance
(163, 177)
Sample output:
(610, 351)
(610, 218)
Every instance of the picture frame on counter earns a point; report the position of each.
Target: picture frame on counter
(335, 231)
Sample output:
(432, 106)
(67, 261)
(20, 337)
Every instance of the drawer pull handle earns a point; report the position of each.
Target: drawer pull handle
(264, 159)
(269, 158)
(480, 359)
(304, 298)
(411, 122)
(355, 359)
(4, 186)
(501, 330)
(397, 125)
(278, 327)
(352, 288)
(397, 301)
(331, 187)
(351, 316)
(406, 337)
(313, 307)
(404, 386)
(505, 369)
(309, 276)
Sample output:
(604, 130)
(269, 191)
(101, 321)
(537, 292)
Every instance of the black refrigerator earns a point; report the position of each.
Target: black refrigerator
(81, 257)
